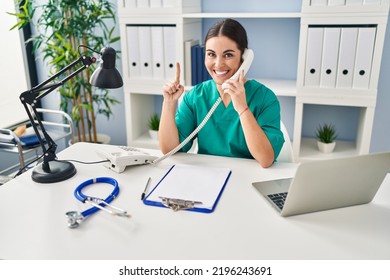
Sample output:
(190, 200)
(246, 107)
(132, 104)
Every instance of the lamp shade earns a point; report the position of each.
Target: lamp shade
(106, 75)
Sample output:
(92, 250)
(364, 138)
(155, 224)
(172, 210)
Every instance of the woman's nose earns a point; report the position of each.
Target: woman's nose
(219, 61)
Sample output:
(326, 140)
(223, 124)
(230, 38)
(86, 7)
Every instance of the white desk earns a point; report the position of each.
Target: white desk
(243, 226)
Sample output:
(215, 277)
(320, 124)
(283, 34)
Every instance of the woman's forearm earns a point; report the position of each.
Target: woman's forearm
(258, 144)
(168, 134)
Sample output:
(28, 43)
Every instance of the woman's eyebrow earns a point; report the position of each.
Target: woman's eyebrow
(228, 51)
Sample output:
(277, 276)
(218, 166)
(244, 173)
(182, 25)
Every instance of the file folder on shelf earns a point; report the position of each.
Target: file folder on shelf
(189, 187)
(372, 2)
(158, 52)
(346, 63)
(194, 68)
(155, 4)
(336, 2)
(318, 2)
(199, 72)
(330, 54)
(364, 53)
(205, 74)
(133, 51)
(142, 3)
(199, 63)
(145, 51)
(188, 61)
(353, 2)
(170, 52)
(168, 3)
(130, 4)
(313, 56)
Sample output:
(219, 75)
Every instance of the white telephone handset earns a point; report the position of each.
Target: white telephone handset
(247, 57)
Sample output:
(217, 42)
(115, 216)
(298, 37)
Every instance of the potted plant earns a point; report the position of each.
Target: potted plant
(154, 123)
(326, 136)
(62, 27)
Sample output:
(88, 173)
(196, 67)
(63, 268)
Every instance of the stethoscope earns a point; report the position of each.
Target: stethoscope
(75, 217)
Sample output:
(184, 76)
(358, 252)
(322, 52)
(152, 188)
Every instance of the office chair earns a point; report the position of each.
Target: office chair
(286, 154)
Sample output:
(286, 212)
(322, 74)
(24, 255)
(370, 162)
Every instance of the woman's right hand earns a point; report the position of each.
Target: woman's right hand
(168, 134)
(173, 90)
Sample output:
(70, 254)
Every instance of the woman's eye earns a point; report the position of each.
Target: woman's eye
(210, 54)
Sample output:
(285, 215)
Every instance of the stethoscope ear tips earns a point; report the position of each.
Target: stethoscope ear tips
(74, 218)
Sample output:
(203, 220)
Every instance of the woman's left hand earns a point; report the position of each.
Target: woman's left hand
(236, 91)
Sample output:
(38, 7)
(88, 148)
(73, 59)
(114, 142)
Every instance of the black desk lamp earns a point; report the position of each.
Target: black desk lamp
(105, 76)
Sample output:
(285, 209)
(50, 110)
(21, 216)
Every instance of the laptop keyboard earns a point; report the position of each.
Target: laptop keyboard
(278, 199)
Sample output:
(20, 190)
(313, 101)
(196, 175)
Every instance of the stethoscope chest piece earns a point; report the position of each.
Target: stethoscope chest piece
(74, 218)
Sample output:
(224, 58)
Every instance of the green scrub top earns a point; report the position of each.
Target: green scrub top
(223, 135)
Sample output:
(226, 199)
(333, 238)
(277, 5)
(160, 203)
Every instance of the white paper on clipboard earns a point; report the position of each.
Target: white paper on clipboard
(193, 183)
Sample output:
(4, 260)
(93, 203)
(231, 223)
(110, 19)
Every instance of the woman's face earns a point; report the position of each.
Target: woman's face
(222, 58)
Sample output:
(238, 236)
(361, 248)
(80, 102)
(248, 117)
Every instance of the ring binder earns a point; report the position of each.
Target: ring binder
(178, 204)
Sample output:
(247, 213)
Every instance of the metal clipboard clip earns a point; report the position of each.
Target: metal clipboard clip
(178, 204)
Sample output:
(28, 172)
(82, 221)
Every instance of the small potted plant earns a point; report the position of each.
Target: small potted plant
(326, 136)
(154, 123)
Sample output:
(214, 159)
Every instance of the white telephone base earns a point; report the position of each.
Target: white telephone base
(121, 157)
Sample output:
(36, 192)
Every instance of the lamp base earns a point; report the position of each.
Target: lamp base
(58, 171)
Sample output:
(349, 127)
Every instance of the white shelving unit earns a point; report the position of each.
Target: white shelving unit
(359, 16)
(142, 95)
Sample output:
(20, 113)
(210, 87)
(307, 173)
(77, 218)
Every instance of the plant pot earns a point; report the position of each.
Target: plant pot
(153, 134)
(101, 139)
(326, 147)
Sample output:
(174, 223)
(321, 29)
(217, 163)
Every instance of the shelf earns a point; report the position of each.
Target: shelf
(309, 150)
(337, 100)
(281, 87)
(242, 15)
(145, 87)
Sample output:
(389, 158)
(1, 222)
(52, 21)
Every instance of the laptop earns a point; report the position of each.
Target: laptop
(327, 184)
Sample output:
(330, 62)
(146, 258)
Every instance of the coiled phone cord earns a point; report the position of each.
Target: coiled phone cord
(192, 135)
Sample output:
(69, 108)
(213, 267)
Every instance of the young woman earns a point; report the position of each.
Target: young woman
(245, 124)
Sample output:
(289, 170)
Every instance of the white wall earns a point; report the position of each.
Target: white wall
(381, 131)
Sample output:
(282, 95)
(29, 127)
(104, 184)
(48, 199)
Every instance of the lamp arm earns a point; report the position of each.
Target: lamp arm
(49, 152)
(31, 97)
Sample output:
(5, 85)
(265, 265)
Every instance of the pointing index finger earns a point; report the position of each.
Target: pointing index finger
(177, 80)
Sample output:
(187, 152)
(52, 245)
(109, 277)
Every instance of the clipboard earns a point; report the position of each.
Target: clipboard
(189, 187)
